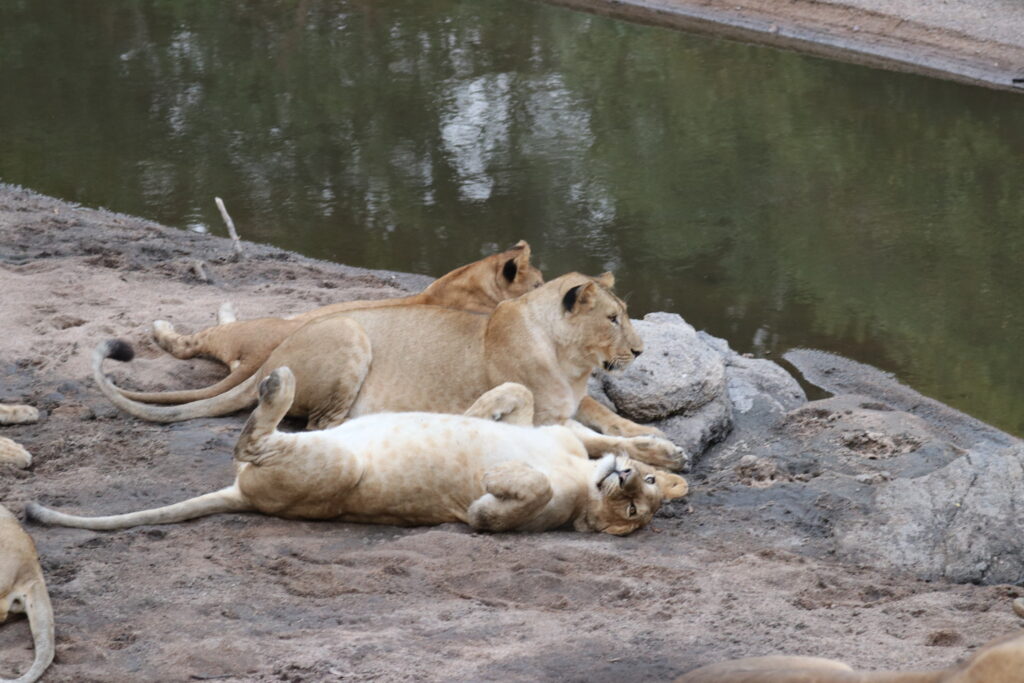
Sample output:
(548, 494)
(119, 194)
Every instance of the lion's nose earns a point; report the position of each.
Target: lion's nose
(636, 352)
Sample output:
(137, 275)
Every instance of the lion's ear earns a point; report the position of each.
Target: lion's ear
(578, 297)
(517, 263)
(606, 280)
(510, 269)
(672, 485)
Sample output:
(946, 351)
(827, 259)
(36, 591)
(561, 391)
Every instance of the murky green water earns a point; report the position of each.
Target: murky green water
(773, 199)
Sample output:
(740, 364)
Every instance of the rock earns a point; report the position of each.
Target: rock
(695, 432)
(959, 522)
(677, 373)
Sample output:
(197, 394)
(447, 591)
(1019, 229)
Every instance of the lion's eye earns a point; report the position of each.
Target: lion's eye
(649, 478)
(631, 510)
(614, 319)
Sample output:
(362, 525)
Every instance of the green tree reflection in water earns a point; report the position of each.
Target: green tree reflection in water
(773, 199)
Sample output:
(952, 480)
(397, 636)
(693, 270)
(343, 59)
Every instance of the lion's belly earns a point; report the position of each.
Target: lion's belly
(420, 469)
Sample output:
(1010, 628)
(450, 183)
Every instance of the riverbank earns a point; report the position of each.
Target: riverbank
(739, 569)
(975, 41)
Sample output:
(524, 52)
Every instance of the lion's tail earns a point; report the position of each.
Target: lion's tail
(229, 499)
(241, 373)
(241, 396)
(40, 620)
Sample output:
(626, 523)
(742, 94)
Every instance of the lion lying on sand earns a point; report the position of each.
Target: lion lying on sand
(427, 358)
(22, 589)
(245, 345)
(421, 469)
(999, 661)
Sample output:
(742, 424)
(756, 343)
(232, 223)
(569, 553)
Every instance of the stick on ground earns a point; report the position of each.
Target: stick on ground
(235, 242)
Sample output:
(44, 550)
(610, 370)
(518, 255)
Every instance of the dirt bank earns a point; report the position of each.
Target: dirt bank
(243, 597)
(972, 41)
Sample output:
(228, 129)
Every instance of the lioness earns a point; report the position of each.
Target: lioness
(426, 358)
(421, 469)
(11, 451)
(245, 345)
(999, 661)
(23, 589)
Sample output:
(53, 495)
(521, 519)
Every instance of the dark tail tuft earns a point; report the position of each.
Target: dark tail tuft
(32, 512)
(119, 349)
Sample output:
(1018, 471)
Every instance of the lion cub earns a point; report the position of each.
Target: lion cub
(421, 469)
(22, 589)
(999, 661)
(11, 451)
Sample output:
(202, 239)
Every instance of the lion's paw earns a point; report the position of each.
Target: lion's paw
(514, 481)
(660, 452)
(14, 453)
(18, 414)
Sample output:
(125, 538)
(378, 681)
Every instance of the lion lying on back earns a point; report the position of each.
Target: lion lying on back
(23, 589)
(245, 345)
(426, 358)
(421, 469)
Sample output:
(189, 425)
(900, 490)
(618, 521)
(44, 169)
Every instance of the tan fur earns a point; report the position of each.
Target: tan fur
(12, 452)
(421, 469)
(999, 661)
(23, 589)
(244, 346)
(426, 358)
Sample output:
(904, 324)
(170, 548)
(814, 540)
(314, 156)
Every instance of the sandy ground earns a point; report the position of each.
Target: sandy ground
(244, 597)
(973, 41)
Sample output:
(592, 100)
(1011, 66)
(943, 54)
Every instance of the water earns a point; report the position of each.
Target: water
(773, 199)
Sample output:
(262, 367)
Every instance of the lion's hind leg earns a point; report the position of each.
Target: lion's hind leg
(509, 402)
(515, 493)
(276, 393)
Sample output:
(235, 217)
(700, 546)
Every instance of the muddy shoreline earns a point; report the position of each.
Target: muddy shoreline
(250, 598)
(970, 43)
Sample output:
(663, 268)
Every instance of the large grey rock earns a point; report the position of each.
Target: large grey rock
(753, 380)
(677, 373)
(959, 522)
(691, 384)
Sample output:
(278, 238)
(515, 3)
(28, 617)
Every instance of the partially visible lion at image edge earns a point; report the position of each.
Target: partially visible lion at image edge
(23, 590)
(490, 469)
(426, 358)
(11, 451)
(245, 345)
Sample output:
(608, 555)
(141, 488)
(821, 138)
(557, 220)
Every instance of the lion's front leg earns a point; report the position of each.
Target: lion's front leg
(652, 450)
(509, 402)
(515, 493)
(595, 415)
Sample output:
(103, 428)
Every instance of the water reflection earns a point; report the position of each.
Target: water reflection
(773, 199)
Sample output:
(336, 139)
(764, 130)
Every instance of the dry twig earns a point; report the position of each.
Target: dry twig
(236, 243)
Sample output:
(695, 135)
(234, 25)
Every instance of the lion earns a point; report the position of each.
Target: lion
(245, 345)
(426, 358)
(23, 590)
(11, 451)
(998, 661)
(490, 469)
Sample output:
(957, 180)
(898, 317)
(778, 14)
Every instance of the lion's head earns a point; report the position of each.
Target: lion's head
(625, 494)
(483, 284)
(514, 274)
(599, 321)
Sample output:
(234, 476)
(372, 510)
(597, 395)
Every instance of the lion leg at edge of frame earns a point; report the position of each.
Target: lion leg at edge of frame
(652, 450)
(509, 402)
(14, 453)
(597, 416)
(515, 493)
